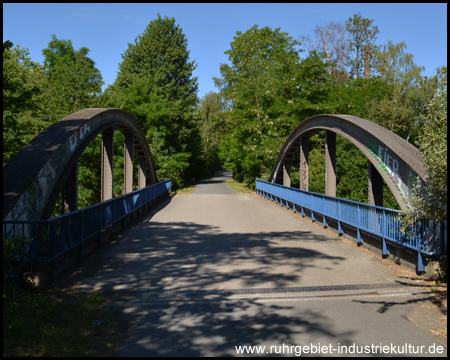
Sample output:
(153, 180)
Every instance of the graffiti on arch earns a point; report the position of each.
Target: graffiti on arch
(393, 166)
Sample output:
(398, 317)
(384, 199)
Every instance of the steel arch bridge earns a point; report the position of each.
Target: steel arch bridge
(390, 157)
(47, 166)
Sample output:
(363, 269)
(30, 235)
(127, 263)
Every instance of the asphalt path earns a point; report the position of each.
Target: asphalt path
(212, 271)
(216, 185)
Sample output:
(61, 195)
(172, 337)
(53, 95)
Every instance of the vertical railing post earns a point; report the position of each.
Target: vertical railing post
(383, 234)
(420, 264)
(33, 234)
(53, 252)
(339, 218)
(287, 192)
(358, 224)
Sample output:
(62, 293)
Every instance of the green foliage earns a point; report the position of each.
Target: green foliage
(317, 163)
(22, 81)
(14, 256)
(430, 202)
(363, 36)
(156, 86)
(89, 174)
(331, 40)
(271, 90)
(265, 92)
(210, 125)
(72, 82)
(411, 91)
(36, 96)
(351, 171)
(55, 322)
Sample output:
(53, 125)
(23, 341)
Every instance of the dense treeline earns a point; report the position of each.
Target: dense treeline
(270, 85)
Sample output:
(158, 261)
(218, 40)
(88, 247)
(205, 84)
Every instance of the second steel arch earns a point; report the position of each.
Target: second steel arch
(393, 158)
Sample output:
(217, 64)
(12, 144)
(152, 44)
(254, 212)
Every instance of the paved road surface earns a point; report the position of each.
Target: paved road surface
(215, 185)
(213, 270)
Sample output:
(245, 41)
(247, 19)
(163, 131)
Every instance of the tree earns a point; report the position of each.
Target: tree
(332, 39)
(22, 81)
(411, 91)
(210, 109)
(155, 84)
(72, 81)
(363, 36)
(431, 202)
(359, 97)
(271, 91)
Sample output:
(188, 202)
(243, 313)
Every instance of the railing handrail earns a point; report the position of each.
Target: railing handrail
(331, 197)
(73, 213)
(58, 235)
(382, 222)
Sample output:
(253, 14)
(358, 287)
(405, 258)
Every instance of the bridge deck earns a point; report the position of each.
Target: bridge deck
(210, 271)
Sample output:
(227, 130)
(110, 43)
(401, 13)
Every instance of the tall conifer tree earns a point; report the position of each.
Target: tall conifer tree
(155, 84)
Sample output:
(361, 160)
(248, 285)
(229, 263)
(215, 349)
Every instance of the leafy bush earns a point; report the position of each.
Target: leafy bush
(14, 256)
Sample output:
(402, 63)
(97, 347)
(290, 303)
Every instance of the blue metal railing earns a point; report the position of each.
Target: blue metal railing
(425, 237)
(54, 237)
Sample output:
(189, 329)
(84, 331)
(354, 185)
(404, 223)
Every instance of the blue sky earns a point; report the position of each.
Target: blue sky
(106, 29)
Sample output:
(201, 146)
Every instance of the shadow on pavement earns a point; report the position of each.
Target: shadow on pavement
(187, 256)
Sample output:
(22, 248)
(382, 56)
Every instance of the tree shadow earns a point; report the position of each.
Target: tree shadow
(217, 328)
(188, 256)
(386, 305)
(182, 256)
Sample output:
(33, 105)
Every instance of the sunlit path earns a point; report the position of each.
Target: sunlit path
(208, 272)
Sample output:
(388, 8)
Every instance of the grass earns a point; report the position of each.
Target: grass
(186, 190)
(58, 323)
(238, 187)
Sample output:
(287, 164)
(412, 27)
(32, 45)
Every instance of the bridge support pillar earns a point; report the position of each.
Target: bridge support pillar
(287, 173)
(142, 170)
(330, 163)
(69, 194)
(128, 163)
(375, 186)
(304, 163)
(107, 163)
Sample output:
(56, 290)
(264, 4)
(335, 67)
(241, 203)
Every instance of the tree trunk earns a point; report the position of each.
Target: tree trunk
(367, 63)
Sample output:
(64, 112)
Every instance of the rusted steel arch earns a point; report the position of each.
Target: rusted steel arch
(34, 178)
(397, 161)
